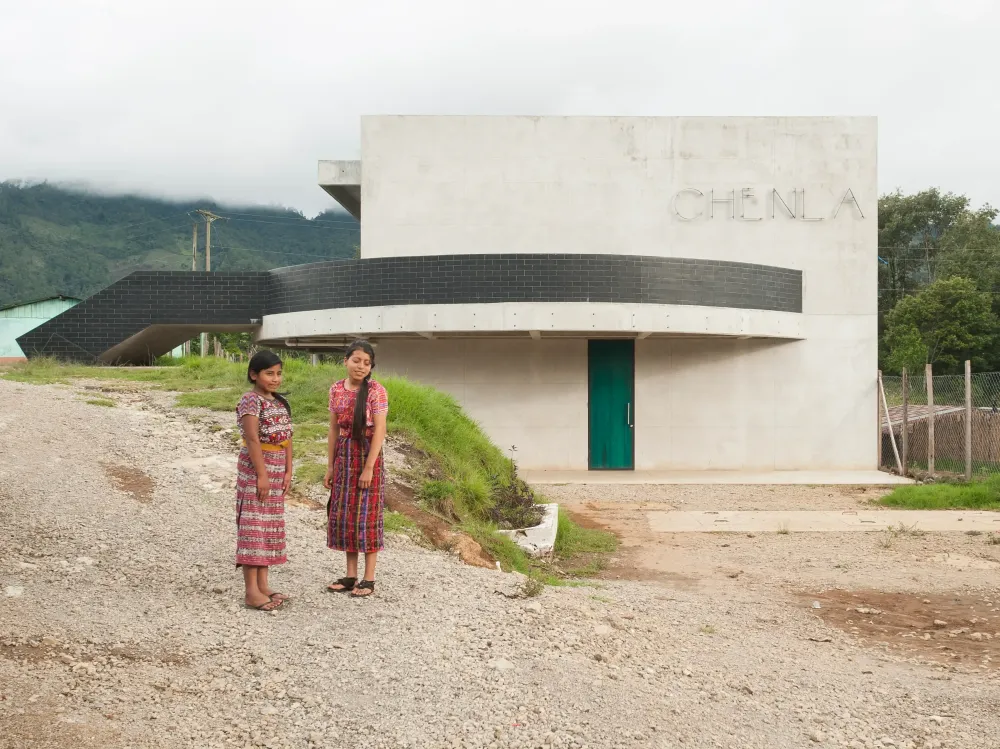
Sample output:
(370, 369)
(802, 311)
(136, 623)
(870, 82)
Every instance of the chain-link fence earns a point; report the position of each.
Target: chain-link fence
(949, 428)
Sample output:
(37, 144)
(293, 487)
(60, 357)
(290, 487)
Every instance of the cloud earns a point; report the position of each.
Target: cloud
(239, 100)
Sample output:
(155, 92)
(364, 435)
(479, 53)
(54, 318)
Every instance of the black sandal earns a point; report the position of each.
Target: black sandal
(346, 585)
(364, 585)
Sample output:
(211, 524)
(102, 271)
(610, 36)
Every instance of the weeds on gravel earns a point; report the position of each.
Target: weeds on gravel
(105, 402)
(532, 588)
(973, 495)
(893, 532)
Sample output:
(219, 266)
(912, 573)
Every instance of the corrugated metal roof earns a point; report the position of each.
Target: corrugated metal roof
(59, 297)
(919, 412)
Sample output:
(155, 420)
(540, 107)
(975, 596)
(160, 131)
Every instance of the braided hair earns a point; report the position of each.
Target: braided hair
(265, 360)
(360, 423)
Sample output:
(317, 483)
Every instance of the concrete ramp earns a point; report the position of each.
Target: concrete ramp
(148, 313)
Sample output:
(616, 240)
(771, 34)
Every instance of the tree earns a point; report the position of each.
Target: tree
(971, 249)
(947, 322)
(911, 229)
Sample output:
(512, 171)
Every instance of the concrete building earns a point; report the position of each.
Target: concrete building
(649, 293)
(18, 319)
(672, 294)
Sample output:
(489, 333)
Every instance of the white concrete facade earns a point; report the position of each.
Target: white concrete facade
(715, 388)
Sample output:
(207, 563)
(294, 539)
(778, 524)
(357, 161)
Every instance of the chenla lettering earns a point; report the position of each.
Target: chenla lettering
(745, 204)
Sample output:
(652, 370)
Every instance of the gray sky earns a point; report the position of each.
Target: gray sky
(239, 100)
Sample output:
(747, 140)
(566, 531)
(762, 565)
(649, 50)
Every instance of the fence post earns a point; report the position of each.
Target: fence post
(892, 434)
(904, 441)
(878, 419)
(968, 420)
(929, 376)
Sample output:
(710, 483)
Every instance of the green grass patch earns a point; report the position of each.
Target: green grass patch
(504, 550)
(309, 472)
(105, 402)
(590, 569)
(974, 495)
(572, 539)
(397, 522)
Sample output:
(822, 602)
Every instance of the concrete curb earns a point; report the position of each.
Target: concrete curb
(539, 540)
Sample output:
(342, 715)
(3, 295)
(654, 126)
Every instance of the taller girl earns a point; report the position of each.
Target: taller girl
(355, 471)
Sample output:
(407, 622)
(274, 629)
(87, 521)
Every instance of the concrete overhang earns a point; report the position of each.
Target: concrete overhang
(334, 327)
(342, 180)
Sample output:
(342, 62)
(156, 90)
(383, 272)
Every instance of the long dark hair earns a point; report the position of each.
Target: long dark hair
(360, 424)
(260, 361)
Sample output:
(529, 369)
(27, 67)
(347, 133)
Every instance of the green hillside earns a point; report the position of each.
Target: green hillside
(55, 240)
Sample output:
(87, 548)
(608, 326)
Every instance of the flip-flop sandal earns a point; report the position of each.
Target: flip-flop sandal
(268, 606)
(346, 585)
(280, 597)
(364, 585)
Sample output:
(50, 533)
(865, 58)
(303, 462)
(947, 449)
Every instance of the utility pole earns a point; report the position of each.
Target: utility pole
(194, 267)
(194, 246)
(209, 218)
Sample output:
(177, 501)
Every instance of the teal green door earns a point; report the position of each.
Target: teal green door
(611, 367)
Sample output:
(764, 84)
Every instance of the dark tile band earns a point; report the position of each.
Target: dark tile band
(180, 301)
(470, 279)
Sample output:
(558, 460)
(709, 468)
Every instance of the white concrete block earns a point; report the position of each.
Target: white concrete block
(539, 540)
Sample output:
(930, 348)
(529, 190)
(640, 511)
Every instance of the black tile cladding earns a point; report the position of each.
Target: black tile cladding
(147, 298)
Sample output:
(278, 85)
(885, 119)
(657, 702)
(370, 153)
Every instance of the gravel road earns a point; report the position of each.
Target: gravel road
(121, 625)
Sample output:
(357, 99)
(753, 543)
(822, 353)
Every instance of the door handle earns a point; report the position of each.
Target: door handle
(628, 414)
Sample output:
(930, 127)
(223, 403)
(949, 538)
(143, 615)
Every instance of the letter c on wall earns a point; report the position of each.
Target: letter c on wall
(677, 212)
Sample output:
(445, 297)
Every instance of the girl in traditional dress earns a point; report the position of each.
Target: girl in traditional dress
(355, 472)
(264, 476)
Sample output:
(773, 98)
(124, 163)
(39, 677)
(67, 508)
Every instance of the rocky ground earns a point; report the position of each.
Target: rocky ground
(122, 625)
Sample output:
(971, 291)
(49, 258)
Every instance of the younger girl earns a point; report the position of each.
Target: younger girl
(264, 476)
(355, 472)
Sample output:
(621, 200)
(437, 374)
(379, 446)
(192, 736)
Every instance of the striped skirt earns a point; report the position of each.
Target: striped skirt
(355, 521)
(260, 525)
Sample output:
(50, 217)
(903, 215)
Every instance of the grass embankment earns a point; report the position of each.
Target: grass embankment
(467, 480)
(972, 495)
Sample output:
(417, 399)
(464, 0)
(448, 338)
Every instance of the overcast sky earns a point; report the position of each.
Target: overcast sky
(238, 100)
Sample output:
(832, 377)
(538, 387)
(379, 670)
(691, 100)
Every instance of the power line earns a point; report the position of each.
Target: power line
(293, 218)
(353, 229)
(282, 252)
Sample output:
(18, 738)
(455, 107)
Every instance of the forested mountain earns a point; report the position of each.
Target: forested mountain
(55, 240)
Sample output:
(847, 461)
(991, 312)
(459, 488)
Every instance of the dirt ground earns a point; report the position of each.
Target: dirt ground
(122, 623)
(902, 581)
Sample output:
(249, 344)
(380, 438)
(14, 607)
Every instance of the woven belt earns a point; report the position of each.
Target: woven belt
(268, 447)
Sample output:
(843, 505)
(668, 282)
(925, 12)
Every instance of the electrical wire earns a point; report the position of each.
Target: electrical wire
(353, 229)
(350, 222)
